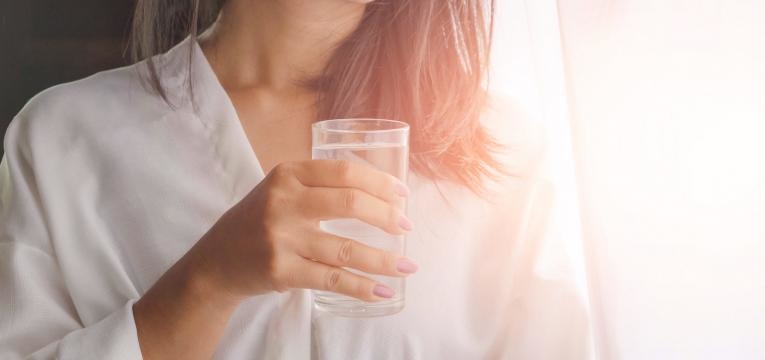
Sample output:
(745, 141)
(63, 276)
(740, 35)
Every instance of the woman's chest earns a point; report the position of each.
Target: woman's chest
(276, 131)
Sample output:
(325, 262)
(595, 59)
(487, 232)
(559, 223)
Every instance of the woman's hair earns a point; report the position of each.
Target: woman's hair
(420, 61)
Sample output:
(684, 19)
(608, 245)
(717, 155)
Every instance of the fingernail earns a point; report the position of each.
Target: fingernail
(401, 189)
(405, 266)
(383, 291)
(404, 223)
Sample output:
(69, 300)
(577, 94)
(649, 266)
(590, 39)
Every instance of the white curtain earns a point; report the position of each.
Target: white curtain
(655, 117)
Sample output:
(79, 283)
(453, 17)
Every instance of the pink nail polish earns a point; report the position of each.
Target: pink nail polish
(383, 291)
(405, 266)
(404, 223)
(401, 189)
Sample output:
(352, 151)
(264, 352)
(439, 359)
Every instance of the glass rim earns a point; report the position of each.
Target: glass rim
(401, 126)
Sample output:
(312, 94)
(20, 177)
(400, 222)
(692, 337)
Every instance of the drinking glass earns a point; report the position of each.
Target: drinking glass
(383, 144)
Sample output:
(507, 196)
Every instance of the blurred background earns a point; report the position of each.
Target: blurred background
(48, 42)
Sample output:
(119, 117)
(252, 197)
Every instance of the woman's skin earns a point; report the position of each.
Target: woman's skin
(260, 50)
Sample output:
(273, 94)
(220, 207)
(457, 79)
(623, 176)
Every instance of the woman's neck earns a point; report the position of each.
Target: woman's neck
(274, 44)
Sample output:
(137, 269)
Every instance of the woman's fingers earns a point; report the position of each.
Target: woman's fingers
(335, 189)
(347, 174)
(335, 203)
(309, 274)
(342, 252)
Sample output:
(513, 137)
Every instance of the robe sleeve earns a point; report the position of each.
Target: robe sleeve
(38, 319)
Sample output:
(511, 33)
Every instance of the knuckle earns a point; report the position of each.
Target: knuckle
(343, 169)
(393, 216)
(349, 199)
(388, 262)
(364, 290)
(282, 170)
(345, 251)
(332, 279)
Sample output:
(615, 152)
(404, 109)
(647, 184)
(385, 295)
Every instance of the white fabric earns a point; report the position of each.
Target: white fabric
(103, 187)
(528, 66)
(668, 122)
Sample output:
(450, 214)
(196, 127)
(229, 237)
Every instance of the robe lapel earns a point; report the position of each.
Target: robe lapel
(213, 107)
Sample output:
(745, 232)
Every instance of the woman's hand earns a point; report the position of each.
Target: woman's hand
(271, 241)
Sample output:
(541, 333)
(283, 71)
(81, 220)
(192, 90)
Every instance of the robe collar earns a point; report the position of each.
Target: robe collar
(184, 65)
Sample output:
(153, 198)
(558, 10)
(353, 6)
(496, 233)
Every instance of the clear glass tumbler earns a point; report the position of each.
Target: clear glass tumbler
(383, 144)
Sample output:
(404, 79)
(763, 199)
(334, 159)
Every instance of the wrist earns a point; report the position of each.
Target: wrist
(201, 284)
(183, 315)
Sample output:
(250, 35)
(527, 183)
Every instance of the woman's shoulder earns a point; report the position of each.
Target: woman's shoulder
(89, 96)
(81, 109)
(116, 98)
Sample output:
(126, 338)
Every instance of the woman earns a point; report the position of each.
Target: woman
(168, 210)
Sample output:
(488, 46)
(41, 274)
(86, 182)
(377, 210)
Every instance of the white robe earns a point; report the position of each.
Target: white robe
(103, 187)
